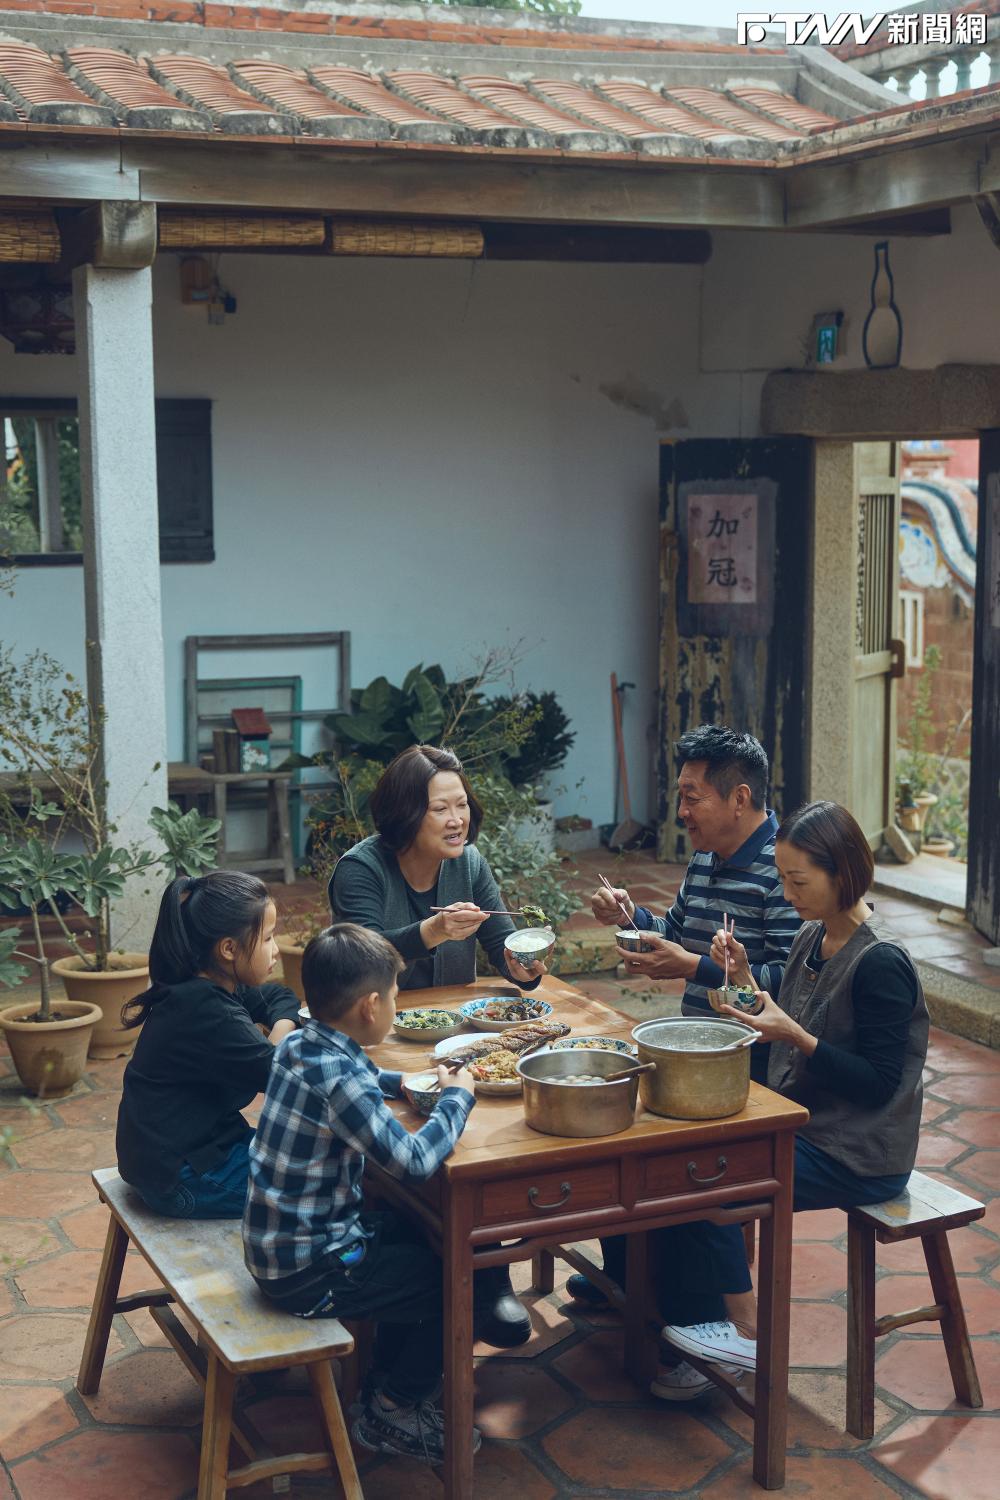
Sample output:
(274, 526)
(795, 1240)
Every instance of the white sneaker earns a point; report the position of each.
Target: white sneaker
(684, 1383)
(719, 1342)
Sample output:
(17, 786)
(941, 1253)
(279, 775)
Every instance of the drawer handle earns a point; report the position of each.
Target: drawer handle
(721, 1163)
(564, 1188)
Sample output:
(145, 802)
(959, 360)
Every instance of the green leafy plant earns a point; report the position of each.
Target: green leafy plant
(58, 848)
(546, 742)
(942, 773)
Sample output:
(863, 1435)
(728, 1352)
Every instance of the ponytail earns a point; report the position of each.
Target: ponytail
(195, 914)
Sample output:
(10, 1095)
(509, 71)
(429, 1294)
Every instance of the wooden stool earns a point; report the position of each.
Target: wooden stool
(278, 854)
(926, 1211)
(199, 1264)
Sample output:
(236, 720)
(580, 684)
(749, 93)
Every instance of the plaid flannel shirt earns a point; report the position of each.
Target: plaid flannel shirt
(324, 1112)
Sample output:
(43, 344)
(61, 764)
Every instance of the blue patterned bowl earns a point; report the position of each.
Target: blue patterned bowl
(474, 1012)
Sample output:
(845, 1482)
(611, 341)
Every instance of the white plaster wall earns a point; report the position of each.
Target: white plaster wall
(421, 453)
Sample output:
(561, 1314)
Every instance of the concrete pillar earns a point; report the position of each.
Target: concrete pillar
(121, 555)
(832, 648)
(933, 71)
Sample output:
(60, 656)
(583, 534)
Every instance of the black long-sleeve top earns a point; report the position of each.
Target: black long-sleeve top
(883, 994)
(199, 1061)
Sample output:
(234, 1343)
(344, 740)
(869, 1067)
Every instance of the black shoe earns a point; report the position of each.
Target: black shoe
(582, 1289)
(505, 1324)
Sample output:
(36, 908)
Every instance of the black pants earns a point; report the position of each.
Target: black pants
(399, 1284)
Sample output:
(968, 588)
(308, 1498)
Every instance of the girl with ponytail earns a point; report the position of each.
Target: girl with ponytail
(201, 1057)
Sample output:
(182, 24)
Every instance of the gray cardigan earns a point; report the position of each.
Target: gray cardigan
(467, 878)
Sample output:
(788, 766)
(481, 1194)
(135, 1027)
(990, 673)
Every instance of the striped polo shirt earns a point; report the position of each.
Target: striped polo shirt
(745, 887)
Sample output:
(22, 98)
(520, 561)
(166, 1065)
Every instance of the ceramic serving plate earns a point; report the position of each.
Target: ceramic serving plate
(452, 1043)
(436, 1024)
(474, 1012)
(594, 1044)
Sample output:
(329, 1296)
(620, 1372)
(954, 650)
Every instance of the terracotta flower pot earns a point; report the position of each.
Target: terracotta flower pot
(50, 1056)
(291, 964)
(109, 989)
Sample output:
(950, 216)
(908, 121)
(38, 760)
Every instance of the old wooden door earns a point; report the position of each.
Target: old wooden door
(734, 588)
(984, 779)
(878, 660)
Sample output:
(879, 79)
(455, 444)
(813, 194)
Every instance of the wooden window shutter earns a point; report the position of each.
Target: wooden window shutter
(184, 480)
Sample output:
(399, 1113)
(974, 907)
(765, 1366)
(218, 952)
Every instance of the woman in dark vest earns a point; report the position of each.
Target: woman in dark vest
(848, 1040)
(424, 856)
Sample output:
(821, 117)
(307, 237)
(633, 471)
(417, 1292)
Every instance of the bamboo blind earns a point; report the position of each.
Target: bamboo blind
(361, 237)
(28, 235)
(193, 231)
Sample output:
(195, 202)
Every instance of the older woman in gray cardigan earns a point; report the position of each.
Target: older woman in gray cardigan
(424, 857)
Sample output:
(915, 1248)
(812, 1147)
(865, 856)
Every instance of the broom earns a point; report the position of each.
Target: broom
(628, 832)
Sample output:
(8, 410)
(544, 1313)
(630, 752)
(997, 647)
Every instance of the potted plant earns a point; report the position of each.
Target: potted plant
(543, 749)
(59, 852)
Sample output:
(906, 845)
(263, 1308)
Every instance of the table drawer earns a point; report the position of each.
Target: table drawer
(544, 1194)
(703, 1167)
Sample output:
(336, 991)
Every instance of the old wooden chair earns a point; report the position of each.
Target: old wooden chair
(926, 1211)
(199, 1265)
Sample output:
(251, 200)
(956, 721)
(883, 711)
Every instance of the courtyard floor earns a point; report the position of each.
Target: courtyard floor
(559, 1418)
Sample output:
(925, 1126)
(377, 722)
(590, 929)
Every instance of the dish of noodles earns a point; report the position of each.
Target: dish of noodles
(496, 1073)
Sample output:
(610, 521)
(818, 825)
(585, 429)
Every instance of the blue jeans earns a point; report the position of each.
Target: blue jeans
(218, 1194)
(698, 1263)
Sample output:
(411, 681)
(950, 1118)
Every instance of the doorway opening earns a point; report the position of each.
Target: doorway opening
(938, 522)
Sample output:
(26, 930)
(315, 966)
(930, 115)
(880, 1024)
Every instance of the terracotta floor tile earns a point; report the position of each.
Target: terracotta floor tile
(23, 1241)
(68, 1148)
(820, 1224)
(31, 1415)
(288, 1422)
(44, 1195)
(45, 1346)
(87, 1227)
(971, 1251)
(968, 1088)
(549, 1325)
(982, 1169)
(980, 1127)
(980, 1298)
(28, 1123)
(991, 1219)
(954, 1054)
(933, 1109)
(936, 1149)
(69, 1279)
(629, 1449)
(916, 1370)
(595, 1367)
(816, 1406)
(821, 1478)
(944, 1458)
(819, 1334)
(149, 1389)
(6, 1301)
(818, 1272)
(91, 1111)
(503, 1472)
(515, 1400)
(96, 1465)
(145, 1330)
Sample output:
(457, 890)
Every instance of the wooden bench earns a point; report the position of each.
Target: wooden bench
(926, 1211)
(199, 1264)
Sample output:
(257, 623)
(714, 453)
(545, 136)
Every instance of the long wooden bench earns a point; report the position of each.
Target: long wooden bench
(926, 1211)
(199, 1265)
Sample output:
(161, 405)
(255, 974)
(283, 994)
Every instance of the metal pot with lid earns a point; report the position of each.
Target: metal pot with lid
(702, 1066)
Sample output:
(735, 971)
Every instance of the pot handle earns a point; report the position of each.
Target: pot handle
(721, 1163)
(564, 1188)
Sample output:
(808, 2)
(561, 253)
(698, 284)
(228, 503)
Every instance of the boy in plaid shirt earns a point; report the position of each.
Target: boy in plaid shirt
(307, 1243)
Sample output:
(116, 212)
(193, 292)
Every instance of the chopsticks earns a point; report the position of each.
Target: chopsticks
(727, 928)
(621, 907)
(484, 913)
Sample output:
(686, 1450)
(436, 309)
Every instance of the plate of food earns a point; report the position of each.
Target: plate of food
(522, 1039)
(595, 1044)
(427, 1023)
(496, 1073)
(501, 1013)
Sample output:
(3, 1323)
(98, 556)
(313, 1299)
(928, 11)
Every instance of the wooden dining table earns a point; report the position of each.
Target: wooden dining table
(505, 1182)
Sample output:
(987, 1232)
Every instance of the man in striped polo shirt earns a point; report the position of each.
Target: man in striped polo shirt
(721, 800)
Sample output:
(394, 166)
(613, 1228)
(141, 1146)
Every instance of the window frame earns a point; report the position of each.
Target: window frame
(61, 407)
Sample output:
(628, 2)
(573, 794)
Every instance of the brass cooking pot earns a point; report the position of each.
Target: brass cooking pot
(702, 1067)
